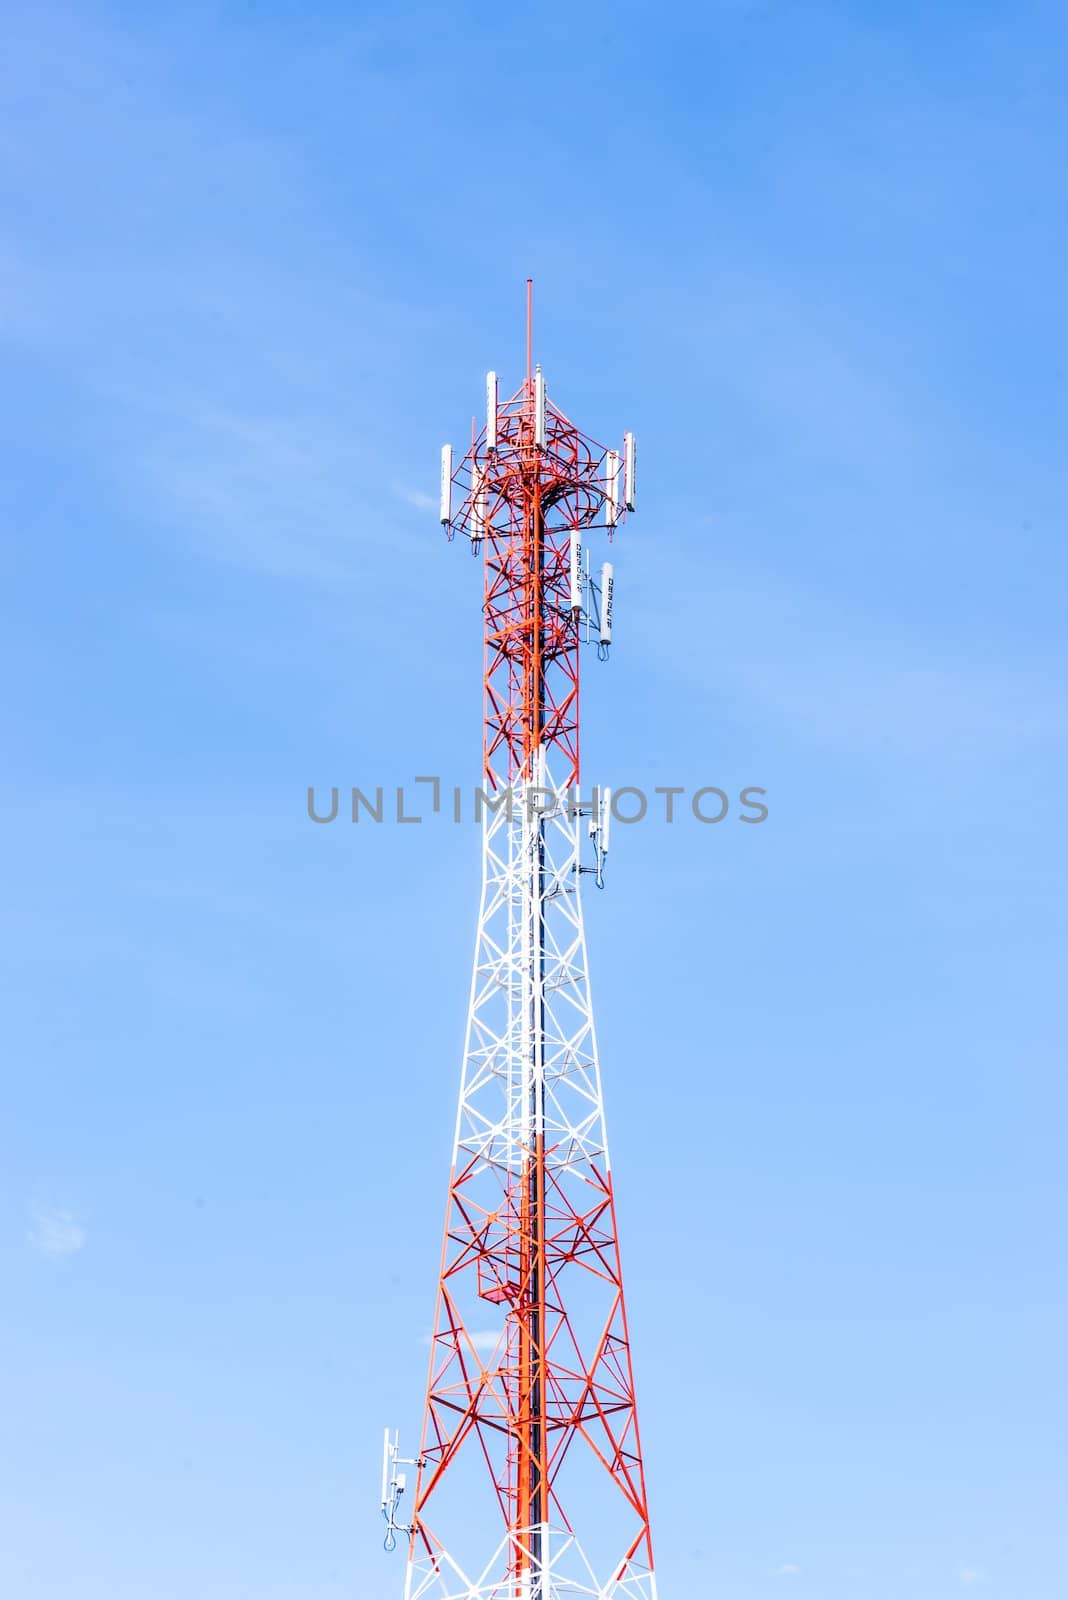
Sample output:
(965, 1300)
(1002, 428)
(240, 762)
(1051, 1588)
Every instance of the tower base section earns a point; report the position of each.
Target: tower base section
(566, 1575)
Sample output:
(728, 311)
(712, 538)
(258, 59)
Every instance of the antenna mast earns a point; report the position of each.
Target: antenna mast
(530, 1482)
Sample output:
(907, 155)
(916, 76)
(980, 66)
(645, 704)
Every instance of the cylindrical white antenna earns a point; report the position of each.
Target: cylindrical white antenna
(576, 570)
(628, 471)
(605, 820)
(446, 483)
(491, 411)
(607, 585)
(539, 408)
(611, 504)
(385, 1468)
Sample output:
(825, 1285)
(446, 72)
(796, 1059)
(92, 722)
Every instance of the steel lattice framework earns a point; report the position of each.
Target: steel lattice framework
(530, 1479)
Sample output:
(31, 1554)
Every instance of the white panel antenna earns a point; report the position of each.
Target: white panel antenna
(539, 408)
(445, 514)
(611, 505)
(576, 570)
(477, 526)
(607, 586)
(628, 471)
(491, 411)
(604, 820)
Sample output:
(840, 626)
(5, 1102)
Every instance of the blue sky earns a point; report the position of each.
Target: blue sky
(253, 266)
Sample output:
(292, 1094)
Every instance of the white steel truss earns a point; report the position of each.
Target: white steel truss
(531, 1080)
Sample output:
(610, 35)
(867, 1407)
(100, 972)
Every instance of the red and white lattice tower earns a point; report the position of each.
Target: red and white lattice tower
(529, 1481)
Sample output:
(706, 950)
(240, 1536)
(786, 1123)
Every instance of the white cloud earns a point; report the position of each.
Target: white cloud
(788, 1570)
(417, 498)
(260, 491)
(789, 660)
(970, 1575)
(56, 1233)
(482, 1340)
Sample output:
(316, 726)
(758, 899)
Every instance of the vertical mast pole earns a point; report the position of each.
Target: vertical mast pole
(531, 1510)
(530, 333)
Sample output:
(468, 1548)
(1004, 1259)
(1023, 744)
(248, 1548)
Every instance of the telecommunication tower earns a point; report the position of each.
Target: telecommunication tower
(529, 1481)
